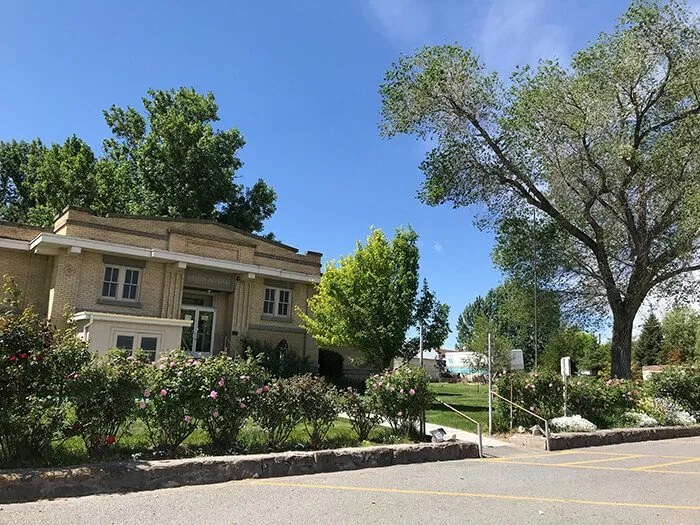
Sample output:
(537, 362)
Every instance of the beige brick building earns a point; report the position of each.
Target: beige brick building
(161, 283)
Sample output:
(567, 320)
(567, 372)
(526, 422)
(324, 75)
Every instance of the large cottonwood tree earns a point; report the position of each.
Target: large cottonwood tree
(608, 149)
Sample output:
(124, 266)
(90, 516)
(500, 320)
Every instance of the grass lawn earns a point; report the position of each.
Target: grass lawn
(468, 398)
(133, 443)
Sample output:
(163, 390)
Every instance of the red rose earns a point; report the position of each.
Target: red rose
(13, 358)
(110, 440)
(23, 355)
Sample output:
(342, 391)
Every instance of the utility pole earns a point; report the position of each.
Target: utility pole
(490, 395)
(534, 275)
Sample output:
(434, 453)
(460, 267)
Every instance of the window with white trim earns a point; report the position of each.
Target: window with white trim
(131, 341)
(277, 302)
(121, 283)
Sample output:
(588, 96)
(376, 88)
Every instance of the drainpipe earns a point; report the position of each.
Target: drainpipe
(85, 329)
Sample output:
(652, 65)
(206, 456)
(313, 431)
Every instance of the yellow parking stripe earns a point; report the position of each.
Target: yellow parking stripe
(546, 454)
(628, 456)
(591, 467)
(476, 495)
(654, 467)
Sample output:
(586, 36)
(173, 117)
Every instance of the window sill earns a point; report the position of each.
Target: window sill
(114, 302)
(278, 318)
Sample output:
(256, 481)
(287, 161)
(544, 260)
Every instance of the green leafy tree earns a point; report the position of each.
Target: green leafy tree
(569, 342)
(649, 345)
(479, 344)
(511, 307)
(680, 327)
(167, 161)
(605, 148)
(366, 300)
(433, 316)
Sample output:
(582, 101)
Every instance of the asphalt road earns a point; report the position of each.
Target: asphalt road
(652, 482)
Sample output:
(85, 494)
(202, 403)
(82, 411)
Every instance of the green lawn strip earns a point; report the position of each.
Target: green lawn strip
(468, 398)
(134, 444)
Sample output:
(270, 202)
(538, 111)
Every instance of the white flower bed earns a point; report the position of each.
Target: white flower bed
(641, 420)
(572, 424)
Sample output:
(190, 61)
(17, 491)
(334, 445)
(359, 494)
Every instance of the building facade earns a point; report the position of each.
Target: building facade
(161, 283)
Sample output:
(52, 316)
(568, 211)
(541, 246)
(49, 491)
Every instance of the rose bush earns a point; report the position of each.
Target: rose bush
(362, 413)
(603, 402)
(227, 397)
(36, 361)
(319, 405)
(539, 392)
(681, 384)
(174, 392)
(102, 395)
(400, 396)
(277, 410)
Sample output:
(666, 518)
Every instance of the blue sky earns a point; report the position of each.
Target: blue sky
(299, 80)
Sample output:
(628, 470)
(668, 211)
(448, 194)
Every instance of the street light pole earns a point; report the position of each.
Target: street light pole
(490, 395)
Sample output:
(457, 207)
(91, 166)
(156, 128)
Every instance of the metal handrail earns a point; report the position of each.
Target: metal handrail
(546, 422)
(478, 425)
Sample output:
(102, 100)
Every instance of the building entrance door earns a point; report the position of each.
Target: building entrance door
(198, 338)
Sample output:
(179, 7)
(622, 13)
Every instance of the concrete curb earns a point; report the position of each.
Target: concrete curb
(102, 478)
(567, 440)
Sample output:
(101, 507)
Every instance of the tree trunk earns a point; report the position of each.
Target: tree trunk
(623, 322)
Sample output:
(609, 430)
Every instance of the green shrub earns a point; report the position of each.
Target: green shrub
(539, 392)
(319, 405)
(277, 410)
(35, 362)
(330, 364)
(102, 395)
(361, 413)
(278, 360)
(603, 402)
(401, 396)
(677, 383)
(224, 414)
(172, 399)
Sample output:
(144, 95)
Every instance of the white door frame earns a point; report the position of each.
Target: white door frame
(195, 328)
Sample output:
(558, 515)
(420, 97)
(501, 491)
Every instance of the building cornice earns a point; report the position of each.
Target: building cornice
(51, 240)
(134, 319)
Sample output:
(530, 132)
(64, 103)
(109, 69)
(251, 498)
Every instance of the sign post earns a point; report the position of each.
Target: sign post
(490, 395)
(565, 365)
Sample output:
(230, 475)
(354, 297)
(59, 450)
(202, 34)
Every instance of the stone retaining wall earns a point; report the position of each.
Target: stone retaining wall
(34, 484)
(567, 440)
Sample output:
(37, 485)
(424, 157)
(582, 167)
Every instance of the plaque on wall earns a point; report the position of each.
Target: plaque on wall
(209, 280)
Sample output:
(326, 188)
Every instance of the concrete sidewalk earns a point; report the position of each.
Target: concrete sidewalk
(463, 435)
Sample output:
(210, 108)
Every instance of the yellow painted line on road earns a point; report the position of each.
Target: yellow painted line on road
(654, 467)
(640, 455)
(591, 467)
(546, 454)
(509, 497)
(620, 458)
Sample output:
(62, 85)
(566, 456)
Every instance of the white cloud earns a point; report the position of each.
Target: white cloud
(437, 247)
(516, 32)
(402, 21)
(503, 32)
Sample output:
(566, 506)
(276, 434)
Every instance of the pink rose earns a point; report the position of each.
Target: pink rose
(164, 392)
(215, 413)
(142, 405)
(412, 392)
(213, 394)
(161, 367)
(242, 405)
(401, 391)
(221, 381)
(258, 391)
(188, 419)
(173, 364)
(146, 393)
(374, 385)
(266, 388)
